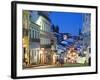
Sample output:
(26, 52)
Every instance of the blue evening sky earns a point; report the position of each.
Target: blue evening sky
(67, 22)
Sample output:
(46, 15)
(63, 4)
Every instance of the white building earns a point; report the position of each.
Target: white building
(40, 37)
(34, 43)
(41, 30)
(86, 32)
(34, 40)
(45, 28)
(45, 35)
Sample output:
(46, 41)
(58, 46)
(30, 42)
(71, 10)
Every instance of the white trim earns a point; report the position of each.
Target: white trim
(30, 72)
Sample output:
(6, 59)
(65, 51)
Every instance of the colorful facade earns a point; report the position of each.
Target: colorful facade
(34, 43)
(25, 39)
(39, 43)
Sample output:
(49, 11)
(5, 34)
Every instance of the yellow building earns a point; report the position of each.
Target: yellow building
(25, 40)
(37, 38)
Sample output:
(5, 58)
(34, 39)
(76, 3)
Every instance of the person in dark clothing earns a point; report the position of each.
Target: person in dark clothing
(57, 61)
(61, 61)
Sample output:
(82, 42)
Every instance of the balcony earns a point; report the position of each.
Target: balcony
(34, 40)
(45, 46)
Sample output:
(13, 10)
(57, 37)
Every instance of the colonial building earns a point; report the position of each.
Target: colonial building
(46, 37)
(34, 38)
(34, 42)
(31, 38)
(45, 25)
(86, 33)
(25, 37)
(39, 42)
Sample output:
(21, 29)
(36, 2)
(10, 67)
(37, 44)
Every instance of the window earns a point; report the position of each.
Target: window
(45, 41)
(48, 41)
(89, 50)
(24, 50)
(34, 53)
(25, 32)
(38, 34)
(41, 26)
(41, 41)
(44, 27)
(33, 34)
(30, 33)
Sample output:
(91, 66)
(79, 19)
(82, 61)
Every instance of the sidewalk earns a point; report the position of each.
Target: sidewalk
(40, 66)
(46, 66)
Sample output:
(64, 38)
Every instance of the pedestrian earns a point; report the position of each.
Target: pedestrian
(26, 61)
(57, 61)
(61, 61)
